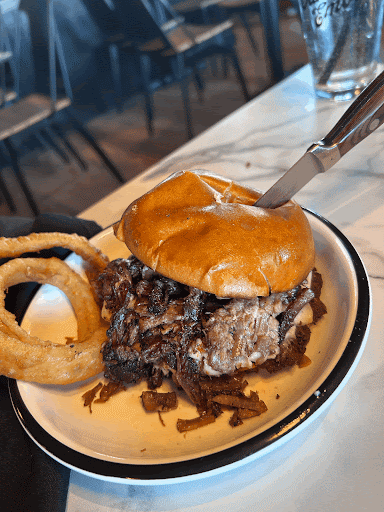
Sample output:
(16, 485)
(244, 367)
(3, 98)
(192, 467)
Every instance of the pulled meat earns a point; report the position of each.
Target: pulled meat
(194, 423)
(163, 402)
(161, 328)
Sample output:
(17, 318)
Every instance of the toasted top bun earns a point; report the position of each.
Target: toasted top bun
(201, 229)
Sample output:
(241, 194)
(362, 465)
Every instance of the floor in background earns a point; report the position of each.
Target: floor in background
(67, 189)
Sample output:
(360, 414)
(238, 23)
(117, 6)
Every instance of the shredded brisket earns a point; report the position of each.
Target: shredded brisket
(160, 328)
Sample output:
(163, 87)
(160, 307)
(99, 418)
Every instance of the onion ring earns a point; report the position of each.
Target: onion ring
(13, 247)
(57, 273)
(49, 363)
(27, 357)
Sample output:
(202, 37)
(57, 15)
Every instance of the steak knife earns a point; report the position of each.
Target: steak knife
(361, 119)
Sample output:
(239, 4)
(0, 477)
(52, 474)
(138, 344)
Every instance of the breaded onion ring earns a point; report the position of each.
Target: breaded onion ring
(28, 357)
(49, 363)
(57, 273)
(13, 247)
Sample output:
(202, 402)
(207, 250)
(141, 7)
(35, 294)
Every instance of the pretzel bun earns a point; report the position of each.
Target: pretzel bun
(201, 230)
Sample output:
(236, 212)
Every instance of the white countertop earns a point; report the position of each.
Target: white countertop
(337, 463)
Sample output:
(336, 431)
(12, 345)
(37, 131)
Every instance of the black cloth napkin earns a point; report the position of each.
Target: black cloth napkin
(30, 480)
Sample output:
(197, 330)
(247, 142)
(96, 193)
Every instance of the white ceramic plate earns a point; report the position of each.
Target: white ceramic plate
(119, 440)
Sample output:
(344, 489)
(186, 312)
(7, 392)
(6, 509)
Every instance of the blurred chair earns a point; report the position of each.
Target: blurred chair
(218, 10)
(170, 50)
(161, 47)
(35, 111)
(112, 41)
(7, 94)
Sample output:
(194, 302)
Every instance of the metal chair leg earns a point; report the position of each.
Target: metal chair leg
(199, 83)
(20, 177)
(224, 65)
(145, 73)
(44, 132)
(114, 59)
(92, 141)
(269, 14)
(148, 103)
(240, 76)
(57, 128)
(42, 140)
(248, 29)
(7, 195)
(183, 79)
(187, 106)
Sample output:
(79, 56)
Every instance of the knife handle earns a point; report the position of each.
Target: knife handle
(362, 118)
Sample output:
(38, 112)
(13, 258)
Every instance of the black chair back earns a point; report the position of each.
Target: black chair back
(164, 13)
(139, 20)
(146, 20)
(103, 14)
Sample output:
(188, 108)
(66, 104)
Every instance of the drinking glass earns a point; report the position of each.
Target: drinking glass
(343, 44)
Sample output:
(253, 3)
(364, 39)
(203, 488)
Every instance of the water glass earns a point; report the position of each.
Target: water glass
(343, 44)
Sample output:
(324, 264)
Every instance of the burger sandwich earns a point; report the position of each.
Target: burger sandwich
(215, 288)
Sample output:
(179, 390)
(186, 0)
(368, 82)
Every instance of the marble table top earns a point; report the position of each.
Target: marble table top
(338, 464)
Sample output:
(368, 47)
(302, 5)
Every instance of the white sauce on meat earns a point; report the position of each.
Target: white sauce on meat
(245, 333)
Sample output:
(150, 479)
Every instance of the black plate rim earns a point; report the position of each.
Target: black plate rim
(226, 458)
